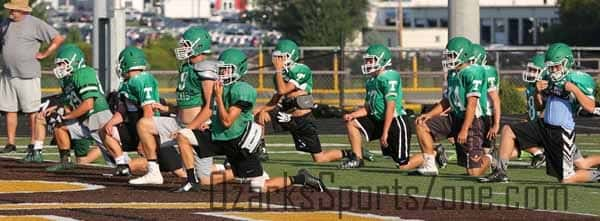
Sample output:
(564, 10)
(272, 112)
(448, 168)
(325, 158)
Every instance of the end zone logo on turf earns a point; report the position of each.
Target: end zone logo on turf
(432, 196)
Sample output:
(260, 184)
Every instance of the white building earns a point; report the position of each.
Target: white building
(187, 8)
(137, 5)
(506, 22)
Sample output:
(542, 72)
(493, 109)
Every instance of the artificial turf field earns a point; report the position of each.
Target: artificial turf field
(416, 198)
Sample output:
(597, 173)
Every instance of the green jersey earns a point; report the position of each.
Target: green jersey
(239, 94)
(493, 84)
(189, 86)
(469, 81)
(582, 80)
(82, 85)
(300, 75)
(532, 113)
(141, 89)
(382, 88)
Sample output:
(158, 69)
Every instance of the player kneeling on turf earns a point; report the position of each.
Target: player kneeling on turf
(233, 132)
(82, 92)
(382, 116)
(292, 103)
(563, 92)
(464, 123)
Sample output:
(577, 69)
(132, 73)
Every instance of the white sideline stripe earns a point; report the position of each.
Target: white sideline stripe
(467, 201)
(227, 215)
(47, 217)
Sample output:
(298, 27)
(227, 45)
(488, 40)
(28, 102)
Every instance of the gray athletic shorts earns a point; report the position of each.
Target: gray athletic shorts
(165, 127)
(89, 129)
(20, 94)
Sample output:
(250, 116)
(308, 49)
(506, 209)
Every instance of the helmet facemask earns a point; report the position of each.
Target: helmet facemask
(532, 74)
(287, 59)
(557, 70)
(481, 58)
(185, 49)
(63, 68)
(451, 59)
(227, 73)
(370, 65)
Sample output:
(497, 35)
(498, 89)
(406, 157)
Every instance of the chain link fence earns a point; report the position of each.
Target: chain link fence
(338, 80)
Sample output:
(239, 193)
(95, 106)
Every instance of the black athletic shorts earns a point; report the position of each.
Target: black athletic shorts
(558, 143)
(129, 137)
(243, 166)
(488, 123)
(468, 155)
(398, 137)
(304, 132)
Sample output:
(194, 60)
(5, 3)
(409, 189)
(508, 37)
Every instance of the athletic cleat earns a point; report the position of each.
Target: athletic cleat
(538, 161)
(226, 163)
(367, 155)
(29, 156)
(352, 163)
(61, 167)
(37, 156)
(149, 178)
(188, 187)
(312, 181)
(9, 148)
(441, 157)
(122, 170)
(496, 177)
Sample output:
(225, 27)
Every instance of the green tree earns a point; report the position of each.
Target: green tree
(315, 22)
(579, 23)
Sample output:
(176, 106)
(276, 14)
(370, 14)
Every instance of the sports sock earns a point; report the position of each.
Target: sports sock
(347, 153)
(38, 145)
(65, 156)
(298, 179)
(503, 165)
(537, 152)
(121, 159)
(191, 175)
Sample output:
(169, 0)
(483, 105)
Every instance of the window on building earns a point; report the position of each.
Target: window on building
(420, 22)
(528, 31)
(513, 31)
(486, 31)
(128, 4)
(499, 36)
(443, 22)
(432, 22)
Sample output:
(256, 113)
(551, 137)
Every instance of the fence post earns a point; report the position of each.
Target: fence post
(336, 82)
(415, 69)
(261, 70)
(340, 87)
(497, 60)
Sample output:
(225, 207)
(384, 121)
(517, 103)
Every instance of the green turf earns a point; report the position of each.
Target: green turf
(383, 174)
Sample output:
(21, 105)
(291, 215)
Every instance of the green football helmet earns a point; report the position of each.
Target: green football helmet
(131, 58)
(457, 52)
(559, 60)
(479, 55)
(233, 64)
(287, 49)
(535, 67)
(377, 57)
(68, 60)
(195, 41)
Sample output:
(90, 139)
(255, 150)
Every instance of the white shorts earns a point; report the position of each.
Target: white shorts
(166, 126)
(20, 94)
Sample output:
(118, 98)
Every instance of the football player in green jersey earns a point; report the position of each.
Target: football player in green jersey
(535, 71)
(466, 87)
(139, 91)
(293, 104)
(233, 132)
(194, 91)
(564, 92)
(82, 93)
(382, 117)
(493, 109)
